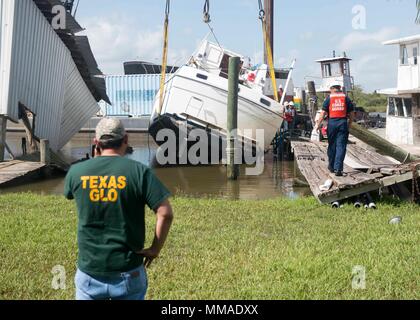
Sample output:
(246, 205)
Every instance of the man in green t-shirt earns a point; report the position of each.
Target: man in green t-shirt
(111, 193)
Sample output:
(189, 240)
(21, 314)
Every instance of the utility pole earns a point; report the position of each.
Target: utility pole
(269, 13)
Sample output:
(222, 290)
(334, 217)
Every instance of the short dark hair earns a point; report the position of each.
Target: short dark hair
(111, 144)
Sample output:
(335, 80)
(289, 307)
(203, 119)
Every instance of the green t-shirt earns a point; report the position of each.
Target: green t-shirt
(111, 194)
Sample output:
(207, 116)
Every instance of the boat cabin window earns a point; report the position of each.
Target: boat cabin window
(224, 66)
(202, 76)
(265, 102)
(214, 55)
(415, 55)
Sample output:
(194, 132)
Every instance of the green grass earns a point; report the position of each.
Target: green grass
(277, 249)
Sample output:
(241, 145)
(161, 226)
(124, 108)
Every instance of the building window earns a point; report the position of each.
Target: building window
(399, 107)
(336, 69)
(404, 55)
(415, 55)
(391, 107)
(408, 104)
(326, 70)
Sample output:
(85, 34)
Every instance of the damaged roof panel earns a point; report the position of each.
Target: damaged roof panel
(80, 50)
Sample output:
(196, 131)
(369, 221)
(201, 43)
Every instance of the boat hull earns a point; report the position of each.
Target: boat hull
(215, 142)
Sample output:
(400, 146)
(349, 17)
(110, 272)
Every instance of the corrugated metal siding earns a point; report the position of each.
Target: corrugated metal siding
(131, 95)
(44, 77)
(7, 11)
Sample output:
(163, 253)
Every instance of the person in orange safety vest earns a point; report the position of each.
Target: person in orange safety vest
(340, 112)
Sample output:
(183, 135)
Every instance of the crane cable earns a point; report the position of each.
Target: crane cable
(207, 20)
(164, 57)
(262, 17)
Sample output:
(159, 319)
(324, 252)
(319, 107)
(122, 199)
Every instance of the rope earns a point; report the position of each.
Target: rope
(262, 17)
(164, 57)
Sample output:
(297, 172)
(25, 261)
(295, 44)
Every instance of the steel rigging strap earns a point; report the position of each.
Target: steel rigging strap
(270, 61)
(164, 56)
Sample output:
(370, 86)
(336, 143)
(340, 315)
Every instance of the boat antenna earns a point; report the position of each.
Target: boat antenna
(418, 12)
(207, 20)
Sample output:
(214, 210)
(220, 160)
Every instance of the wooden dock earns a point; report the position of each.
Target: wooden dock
(365, 171)
(16, 170)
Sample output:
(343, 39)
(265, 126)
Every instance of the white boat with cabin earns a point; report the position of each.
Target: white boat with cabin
(197, 94)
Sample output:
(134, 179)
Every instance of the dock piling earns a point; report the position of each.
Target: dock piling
(3, 127)
(232, 118)
(45, 154)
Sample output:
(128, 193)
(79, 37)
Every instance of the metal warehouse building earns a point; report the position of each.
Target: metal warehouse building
(49, 73)
(130, 95)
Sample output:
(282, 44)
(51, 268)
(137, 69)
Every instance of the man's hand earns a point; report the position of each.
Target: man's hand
(165, 217)
(149, 256)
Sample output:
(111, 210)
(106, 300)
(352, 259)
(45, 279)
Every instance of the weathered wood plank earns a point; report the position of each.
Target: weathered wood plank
(16, 169)
(312, 161)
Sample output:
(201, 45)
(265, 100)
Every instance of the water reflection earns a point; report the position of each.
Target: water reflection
(277, 180)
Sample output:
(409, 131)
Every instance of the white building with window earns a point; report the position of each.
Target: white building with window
(403, 114)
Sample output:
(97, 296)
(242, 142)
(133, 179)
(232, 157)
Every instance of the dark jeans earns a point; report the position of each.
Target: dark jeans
(338, 137)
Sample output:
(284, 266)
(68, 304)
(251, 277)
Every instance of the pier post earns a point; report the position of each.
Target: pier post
(45, 152)
(232, 117)
(313, 105)
(3, 128)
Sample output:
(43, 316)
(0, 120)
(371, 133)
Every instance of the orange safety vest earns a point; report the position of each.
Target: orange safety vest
(338, 106)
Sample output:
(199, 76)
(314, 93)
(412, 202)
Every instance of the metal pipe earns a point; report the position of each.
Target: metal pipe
(371, 204)
(358, 203)
(335, 205)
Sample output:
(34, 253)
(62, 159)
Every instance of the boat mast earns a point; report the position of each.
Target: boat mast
(269, 11)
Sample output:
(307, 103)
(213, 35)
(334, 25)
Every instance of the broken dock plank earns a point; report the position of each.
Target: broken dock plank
(364, 171)
(11, 171)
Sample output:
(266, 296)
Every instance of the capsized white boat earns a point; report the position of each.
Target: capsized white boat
(198, 92)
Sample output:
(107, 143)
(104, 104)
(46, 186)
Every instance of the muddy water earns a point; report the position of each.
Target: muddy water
(278, 179)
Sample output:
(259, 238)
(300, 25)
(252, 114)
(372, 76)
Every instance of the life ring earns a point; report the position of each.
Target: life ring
(251, 77)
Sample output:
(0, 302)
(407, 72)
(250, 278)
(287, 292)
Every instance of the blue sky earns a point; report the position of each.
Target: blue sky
(307, 30)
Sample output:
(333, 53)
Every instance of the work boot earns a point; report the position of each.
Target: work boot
(339, 174)
(330, 169)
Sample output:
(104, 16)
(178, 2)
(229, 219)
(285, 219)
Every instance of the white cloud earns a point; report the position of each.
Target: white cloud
(360, 38)
(115, 40)
(308, 35)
